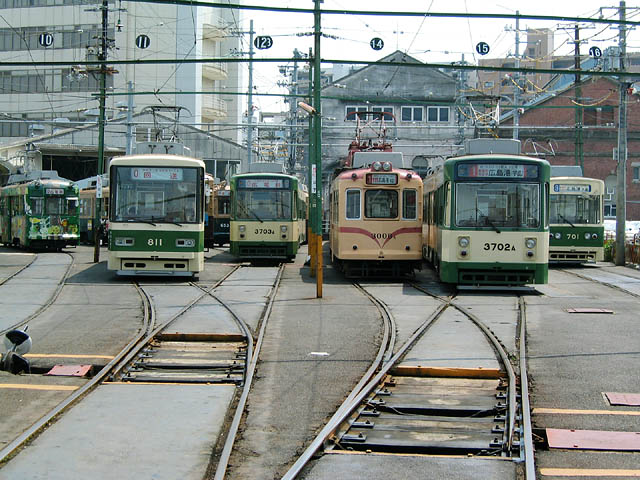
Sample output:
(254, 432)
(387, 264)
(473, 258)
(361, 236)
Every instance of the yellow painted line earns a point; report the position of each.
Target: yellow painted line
(568, 411)
(54, 355)
(25, 386)
(588, 472)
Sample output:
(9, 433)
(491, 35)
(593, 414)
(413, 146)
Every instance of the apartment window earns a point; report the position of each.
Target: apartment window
(437, 114)
(636, 172)
(609, 210)
(411, 114)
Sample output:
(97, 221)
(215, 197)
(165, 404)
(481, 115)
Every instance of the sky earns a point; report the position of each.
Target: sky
(434, 40)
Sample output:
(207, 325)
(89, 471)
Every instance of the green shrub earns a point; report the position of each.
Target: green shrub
(609, 250)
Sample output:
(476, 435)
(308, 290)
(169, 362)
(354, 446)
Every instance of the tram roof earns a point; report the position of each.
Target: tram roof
(162, 160)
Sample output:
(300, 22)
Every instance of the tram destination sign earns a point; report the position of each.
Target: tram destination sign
(497, 170)
(262, 183)
(569, 188)
(156, 173)
(382, 178)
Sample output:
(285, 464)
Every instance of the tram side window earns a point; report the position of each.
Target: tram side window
(72, 206)
(37, 205)
(409, 204)
(353, 205)
(381, 204)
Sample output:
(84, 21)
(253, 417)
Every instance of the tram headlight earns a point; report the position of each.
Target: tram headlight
(594, 236)
(587, 236)
(463, 242)
(558, 235)
(386, 166)
(242, 228)
(376, 166)
(124, 241)
(530, 242)
(283, 228)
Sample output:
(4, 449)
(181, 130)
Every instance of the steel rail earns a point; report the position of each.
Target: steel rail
(225, 455)
(504, 357)
(245, 330)
(601, 282)
(352, 402)
(138, 342)
(527, 442)
(4, 280)
(153, 330)
(43, 422)
(48, 303)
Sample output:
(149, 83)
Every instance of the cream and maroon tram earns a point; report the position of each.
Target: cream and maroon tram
(376, 217)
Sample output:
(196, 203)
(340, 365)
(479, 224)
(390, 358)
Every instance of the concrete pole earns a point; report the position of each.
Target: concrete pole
(250, 99)
(621, 201)
(516, 92)
(101, 122)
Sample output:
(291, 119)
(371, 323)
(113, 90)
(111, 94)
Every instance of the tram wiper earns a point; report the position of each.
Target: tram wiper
(567, 221)
(250, 212)
(142, 221)
(487, 220)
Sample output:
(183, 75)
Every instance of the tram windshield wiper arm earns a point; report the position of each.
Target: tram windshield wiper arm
(567, 221)
(249, 211)
(141, 221)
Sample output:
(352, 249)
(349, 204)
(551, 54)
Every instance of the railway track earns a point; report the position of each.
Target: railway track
(160, 354)
(410, 408)
(40, 299)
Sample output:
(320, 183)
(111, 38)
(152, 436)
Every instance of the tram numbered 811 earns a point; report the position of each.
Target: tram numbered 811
(156, 217)
(486, 221)
(576, 220)
(268, 215)
(39, 210)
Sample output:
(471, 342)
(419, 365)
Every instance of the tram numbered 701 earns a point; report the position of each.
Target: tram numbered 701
(576, 220)
(485, 220)
(156, 217)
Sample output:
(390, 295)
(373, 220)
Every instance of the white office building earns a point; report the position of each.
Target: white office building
(38, 99)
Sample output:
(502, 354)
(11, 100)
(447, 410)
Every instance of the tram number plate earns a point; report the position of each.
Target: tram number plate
(501, 247)
(264, 231)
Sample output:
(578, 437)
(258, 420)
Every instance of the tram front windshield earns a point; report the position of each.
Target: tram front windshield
(574, 209)
(156, 194)
(263, 204)
(496, 204)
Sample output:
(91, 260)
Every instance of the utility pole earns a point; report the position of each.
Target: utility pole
(579, 112)
(516, 76)
(621, 200)
(102, 57)
(293, 120)
(317, 147)
(250, 98)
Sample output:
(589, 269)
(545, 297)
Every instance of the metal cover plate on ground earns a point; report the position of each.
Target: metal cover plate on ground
(70, 370)
(627, 399)
(593, 439)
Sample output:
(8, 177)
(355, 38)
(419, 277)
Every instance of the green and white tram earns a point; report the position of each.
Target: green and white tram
(39, 210)
(156, 216)
(486, 221)
(576, 220)
(268, 215)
